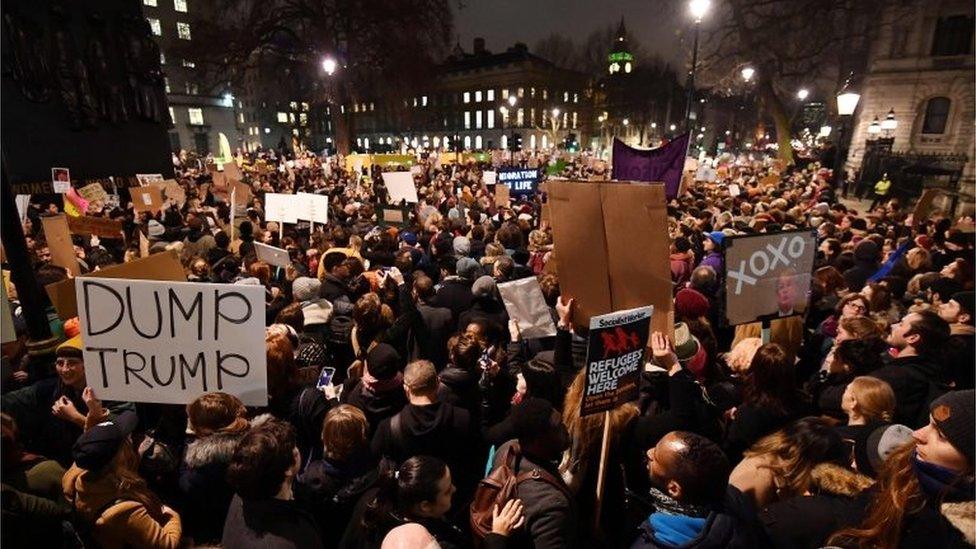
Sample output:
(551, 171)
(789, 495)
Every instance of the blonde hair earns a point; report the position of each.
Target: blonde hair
(875, 398)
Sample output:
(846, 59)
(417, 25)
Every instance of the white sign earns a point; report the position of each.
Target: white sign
(283, 208)
(23, 203)
(147, 178)
(61, 180)
(271, 255)
(527, 306)
(170, 342)
(400, 187)
(734, 190)
(315, 207)
(489, 177)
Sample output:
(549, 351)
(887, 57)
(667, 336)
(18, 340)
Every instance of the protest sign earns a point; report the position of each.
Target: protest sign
(281, 208)
(489, 178)
(615, 237)
(38, 187)
(93, 191)
(664, 164)
(101, 227)
(232, 172)
(146, 178)
(768, 275)
(161, 266)
(527, 307)
(315, 207)
(59, 243)
(146, 199)
(924, 205)
(615, 358)
(170, 342)
(242, 192)
(519, 181)
(173, 191)
(7, 331)
(734, 190)
(400, 186)
(770, 180)
(501, 196)
(396, 216)
(23, 203)
(143, 245)
(60, 180)
(272, 255)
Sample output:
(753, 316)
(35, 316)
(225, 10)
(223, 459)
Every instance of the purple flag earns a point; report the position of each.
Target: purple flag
(663, 164)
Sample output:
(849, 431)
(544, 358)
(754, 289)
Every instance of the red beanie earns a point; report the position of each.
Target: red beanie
(690, 304)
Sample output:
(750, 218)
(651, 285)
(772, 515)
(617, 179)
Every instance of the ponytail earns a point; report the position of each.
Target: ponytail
(400, 490)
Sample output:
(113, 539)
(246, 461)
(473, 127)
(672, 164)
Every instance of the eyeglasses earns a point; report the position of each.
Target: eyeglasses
(856, 306)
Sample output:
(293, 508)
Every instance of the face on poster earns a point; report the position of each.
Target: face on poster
(768, 275)
(61, 180)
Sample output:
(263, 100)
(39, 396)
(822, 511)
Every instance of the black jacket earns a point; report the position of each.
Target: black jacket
(913, 380)
(858, 275)
(270, 524)
(376, 406)
(332, 490)
(204, 490)
(751, 423)
(454, 294)
(432, 344)
(732, 525)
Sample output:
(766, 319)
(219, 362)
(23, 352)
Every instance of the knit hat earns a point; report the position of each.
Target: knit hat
(690, 303)
(685, 344)
(409, 238)
(305, 288)
(71, 347)
(955, 415)
(468, 268)
(96, 447)
(966, 301)
(383, 361)
(866, 250)
(484, 286)
(717, 237)
(873, 446)
(462, 246)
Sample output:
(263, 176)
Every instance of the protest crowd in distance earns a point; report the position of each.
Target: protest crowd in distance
(286, 350)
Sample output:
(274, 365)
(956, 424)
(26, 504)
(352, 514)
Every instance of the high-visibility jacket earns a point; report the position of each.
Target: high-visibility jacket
(881, 187)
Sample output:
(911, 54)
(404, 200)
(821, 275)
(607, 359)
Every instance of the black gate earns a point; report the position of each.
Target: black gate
(909, 172)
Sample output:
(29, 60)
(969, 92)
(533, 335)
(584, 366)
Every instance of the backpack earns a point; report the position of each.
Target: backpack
(500, 486)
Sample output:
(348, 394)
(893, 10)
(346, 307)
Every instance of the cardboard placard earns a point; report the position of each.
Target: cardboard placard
(161, 266)
(768, 276)
(93, 191)
(315, 207)
(502, 196)
(170, 342)
(271, 255)
(283, 208)
(242, 193)
(99, 226)
(400, 186)
(232, 171)
(924, 206)
(174, 191)
(147, 178)
(146, 199)
(526, 305)
(615, 237)
(770, 180)
(59, 242)
(615, 359)
(143, 245)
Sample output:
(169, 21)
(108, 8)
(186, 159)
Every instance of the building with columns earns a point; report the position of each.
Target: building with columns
(920, 78)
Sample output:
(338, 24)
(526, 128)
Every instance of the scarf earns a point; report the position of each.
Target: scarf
(664, 503)
(941, 484)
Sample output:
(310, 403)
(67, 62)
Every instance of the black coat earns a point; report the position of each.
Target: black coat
(376, 406)
(858, 275)
(204, 490)
(751, 423)
(732, 525)
(454, 294)
(332, 490)
(912, 379)
(432, 345)
(270, 524)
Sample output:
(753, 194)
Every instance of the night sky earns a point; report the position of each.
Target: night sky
(504, 22)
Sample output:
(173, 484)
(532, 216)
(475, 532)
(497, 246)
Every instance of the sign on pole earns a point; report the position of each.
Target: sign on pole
(767, 276)
(281, 208)
(615, 358)
(400, 186)
(167, 342)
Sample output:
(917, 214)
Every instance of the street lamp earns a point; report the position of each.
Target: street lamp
(847, 101)
(626, 122)
(697, 9)
(802, 94)
(748, 73)
(889, 124)
(512, 100)
(874, 128)
(329, 65)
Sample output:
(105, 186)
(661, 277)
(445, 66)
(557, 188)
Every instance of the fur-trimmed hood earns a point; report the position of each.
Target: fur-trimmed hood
(962, 516)
(834, 479)
(218, 447)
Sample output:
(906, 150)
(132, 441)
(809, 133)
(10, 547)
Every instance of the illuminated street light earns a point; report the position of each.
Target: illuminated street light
(626, 122)
(802, 94)
(329, 65)
(748, 73)
(698, 9)
(512, 100)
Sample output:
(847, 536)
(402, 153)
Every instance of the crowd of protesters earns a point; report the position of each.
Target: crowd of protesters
(853, 426)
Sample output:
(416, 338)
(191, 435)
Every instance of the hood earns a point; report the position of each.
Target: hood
(839, 481)
(216, 448)
(962, 516)
(418, 421)
(91, 495)
(680, 256)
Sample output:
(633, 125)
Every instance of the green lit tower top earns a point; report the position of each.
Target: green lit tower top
(620, 60)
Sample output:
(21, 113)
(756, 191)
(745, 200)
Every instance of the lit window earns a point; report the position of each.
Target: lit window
(505, 94)
(157, 29)
(152, 3)
(477, 142)
(372, 106)
(467, 120)
(504, 141)
(521, 92)
(162, 58)
(532, 141)
(467, 141)
(566, 97)
(520, 117)
(575, 97)
(189, 64)
(303, 119)
(293, 105)
(240, 118)
(467, 97)
(172, 115)
(283, 117)
(183, 30)
(477, 119)
(355, 107)
(532, 116)
(491, 95)
(179, 5)
(166, 84)
(291, 117)
(477, 96)
(532, 92)
(574, 120)
(491, 118)
(414, 101)
(545, 93)
(545, 141)
(294, 131)
(305, 106)
(196, 116)
(423, 101)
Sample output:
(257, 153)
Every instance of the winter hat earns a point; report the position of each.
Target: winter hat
(96, 447)
(484, 286)
(690, 303)
(468, 268)
(866, 250)
(717, 237)
(383, 361)
(685, 344)
(305, 288)
(966, 301)
(955, 415)
(71, 348)
(462, 246)
(155, 228)
(873, 446)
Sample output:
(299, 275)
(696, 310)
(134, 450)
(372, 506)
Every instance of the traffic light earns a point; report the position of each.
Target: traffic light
(515, 143)
(570, 143)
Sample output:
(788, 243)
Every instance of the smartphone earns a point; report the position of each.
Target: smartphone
(485, 359)
(325, 377)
